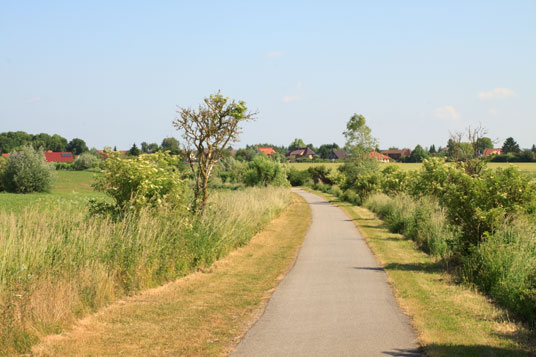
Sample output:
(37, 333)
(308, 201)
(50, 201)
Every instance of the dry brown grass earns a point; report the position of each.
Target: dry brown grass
(205, 313)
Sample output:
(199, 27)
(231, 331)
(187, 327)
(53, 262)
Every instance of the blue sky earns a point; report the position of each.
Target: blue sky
(112, 73)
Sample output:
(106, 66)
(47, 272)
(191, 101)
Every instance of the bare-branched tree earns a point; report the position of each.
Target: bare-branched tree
(464, 149)
(207, 131)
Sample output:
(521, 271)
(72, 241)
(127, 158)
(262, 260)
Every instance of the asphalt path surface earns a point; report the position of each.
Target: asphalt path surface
(335, 301)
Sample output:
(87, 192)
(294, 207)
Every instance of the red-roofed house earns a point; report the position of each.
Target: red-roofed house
(488, 152)
(59, 156)
(380, 157)
(266, 149)
(5, 155)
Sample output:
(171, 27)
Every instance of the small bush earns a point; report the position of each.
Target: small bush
(87, 160)
(504, 266)
(27, 171)
(351, 196)
(263, 171)
(299, 177)
(148, 180)
(335, 191)
(65, 166)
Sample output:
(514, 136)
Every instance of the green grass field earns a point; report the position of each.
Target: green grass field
(70, 189)
(526, 167)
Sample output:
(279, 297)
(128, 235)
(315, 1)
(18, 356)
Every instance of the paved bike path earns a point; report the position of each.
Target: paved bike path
(335, 301)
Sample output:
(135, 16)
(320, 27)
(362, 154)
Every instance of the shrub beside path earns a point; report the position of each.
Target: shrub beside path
(336, 301)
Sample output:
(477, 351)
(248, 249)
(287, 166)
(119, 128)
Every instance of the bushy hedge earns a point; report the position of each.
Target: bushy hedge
(263, 171)
(27, 171)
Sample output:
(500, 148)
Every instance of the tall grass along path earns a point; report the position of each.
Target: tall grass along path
(336, 301)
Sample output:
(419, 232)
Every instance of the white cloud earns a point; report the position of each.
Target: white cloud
(289, 98)
(446, 112)
(497, 93)
(275, 54)
(294, 98)
(493, 112)
(33, 100)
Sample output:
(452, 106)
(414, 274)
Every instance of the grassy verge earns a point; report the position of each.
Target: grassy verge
(202, 314)
(450, 319)
(58, 265)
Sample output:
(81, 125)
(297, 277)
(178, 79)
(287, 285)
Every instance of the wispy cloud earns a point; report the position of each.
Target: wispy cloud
(33, 100)
(297, 94)
(446, 112)
(275, 54)
(497, 93)
(290, 98)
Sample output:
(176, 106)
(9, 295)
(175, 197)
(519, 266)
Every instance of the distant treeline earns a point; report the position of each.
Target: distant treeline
(14, 140)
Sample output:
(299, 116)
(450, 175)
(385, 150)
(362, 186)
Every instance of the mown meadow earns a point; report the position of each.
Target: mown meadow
(70, 251)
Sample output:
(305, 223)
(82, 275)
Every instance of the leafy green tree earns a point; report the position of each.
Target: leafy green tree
(245, 154)
(134, 151)
(207, 131)
(87, 160)
(77, 146)
(483, 143)
(27, 171)
(359, 140)
(57, 143)
(296, 144)
(510, 146)
(171, 145)
(153, 147)
(144, 147)
(418, 154)
(533, 148)
(325, 150)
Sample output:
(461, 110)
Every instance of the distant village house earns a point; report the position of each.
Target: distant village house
(488, 152)
(301, 153)
(397, 154)
(266, 150)
(337, 155)
(380, 157)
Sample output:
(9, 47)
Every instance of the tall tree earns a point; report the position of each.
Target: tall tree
(134, 151)
(432, 149)
(510, 146)
(325, 150)
(533, 148)
(483, 143)
(296, 144)
(207, 131)
(359, 140)
(144, 147)
(77, 146)
(172, 145)
(418, 154)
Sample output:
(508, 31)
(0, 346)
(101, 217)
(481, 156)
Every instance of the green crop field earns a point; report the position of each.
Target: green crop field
(526, 167)
(70, 189)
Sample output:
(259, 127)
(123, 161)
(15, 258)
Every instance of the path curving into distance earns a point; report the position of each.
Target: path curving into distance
(335, 301)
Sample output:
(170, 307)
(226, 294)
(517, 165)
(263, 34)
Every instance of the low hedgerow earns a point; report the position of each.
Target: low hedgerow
(421, 220)
(504, 266)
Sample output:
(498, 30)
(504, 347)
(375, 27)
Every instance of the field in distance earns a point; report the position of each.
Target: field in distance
(526, 167)
(70, 189)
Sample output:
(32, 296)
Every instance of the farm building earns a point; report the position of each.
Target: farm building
(266, 150)
(301, 153)
(337, 155)
(397, 154)
(380, 157)
(51, 156)
(488, 152)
